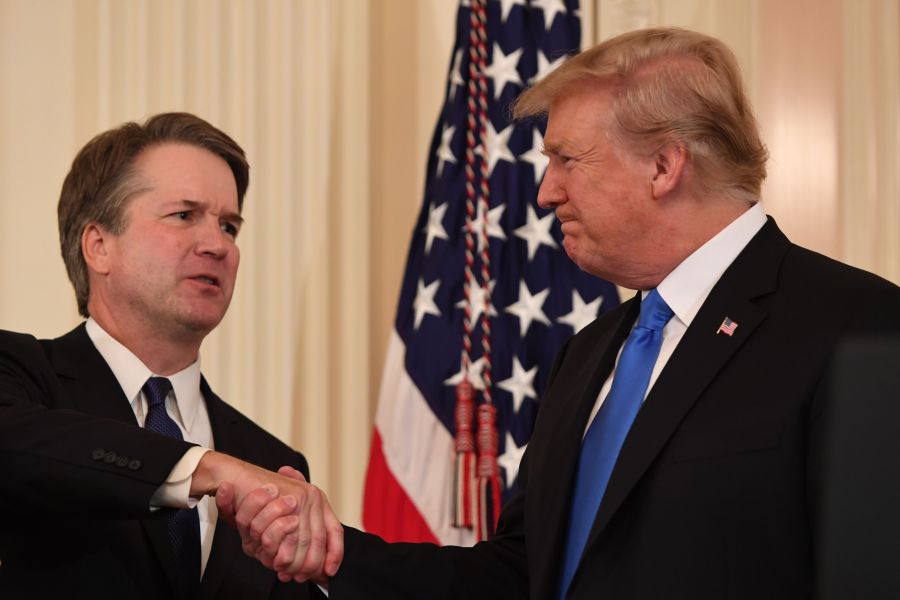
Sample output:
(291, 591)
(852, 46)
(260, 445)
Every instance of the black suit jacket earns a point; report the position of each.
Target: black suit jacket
(714, 494)
(78, 474)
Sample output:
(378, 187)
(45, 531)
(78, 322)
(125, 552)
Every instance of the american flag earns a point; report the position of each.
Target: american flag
(727, 327)
(524, 297)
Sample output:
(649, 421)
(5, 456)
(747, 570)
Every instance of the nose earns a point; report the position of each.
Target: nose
(552, 192)
(211, 240)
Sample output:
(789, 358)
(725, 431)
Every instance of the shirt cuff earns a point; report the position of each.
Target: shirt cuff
(175, 492)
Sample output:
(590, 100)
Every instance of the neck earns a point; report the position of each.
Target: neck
(679, 234)
(162, 352)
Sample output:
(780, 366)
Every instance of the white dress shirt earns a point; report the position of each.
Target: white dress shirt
(187, 407)
(686, 288)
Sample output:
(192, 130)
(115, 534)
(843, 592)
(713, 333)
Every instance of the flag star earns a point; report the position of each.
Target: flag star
(476, 295)
(503, 69)
(475, 378)
(497, 145)
(493, 224)
(456, 78)
(424, 302)
(507, 6)
(520, 384)
(435, 228)
(545, 67)
(510, 459)
(444, 153)
(528, 308)
(551, 8)
(582, 313)
(536, 232)
(536, 157)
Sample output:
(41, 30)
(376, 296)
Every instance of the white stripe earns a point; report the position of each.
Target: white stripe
(417, 447)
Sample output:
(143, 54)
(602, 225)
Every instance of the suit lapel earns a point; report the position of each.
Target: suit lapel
(89, 382)
(226, 544)
(93, 388)
(697, 360)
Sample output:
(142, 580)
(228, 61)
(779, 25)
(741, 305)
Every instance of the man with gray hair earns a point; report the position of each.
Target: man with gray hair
(676, 452)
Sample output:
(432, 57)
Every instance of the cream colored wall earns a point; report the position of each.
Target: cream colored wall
(335, 103)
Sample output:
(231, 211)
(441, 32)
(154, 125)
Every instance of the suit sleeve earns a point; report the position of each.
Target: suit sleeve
(56, 459)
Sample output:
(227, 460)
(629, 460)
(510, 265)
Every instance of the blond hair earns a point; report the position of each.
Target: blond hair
(671, 85)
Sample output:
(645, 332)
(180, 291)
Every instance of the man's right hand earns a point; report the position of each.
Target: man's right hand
(284, 522)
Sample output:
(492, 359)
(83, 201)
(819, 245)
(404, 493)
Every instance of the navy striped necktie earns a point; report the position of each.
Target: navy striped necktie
(184, 524)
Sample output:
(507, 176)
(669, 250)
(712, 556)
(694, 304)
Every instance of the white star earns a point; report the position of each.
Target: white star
(424, 302)
(520, 384)
(507, 6)
(475, 378)
(545, 67)
(510, 459)
(493, 224)
(444, 153)
(476, 295)
(528, 308)
(435, 228)
(538, 159)
(582, 313)
(503, 69)
(456, 78)
(497, 145)
(536, 232)
(550, 8)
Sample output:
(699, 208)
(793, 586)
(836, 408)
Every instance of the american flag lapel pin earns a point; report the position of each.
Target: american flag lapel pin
(727, 327)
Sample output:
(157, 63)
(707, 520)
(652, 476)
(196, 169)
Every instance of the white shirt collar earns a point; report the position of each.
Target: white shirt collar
(132, 374)
(685, 289)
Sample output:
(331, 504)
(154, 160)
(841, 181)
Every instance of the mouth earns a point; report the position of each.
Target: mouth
(207, 279)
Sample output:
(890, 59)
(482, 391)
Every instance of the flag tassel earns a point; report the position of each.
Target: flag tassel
(489, 500)
(464, 472)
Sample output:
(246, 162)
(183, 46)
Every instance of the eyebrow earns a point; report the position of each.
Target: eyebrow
(228, 216)
(550, 148)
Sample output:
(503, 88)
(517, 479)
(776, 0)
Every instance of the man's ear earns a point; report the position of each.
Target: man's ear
(670, 165)
(95, 247)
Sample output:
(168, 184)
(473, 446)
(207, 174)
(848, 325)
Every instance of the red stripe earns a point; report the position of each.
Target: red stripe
(387, 509)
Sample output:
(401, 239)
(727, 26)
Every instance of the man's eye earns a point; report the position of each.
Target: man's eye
(229, 229)
(184, 215)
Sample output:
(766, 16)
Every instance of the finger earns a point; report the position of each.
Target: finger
(269, 528)
(315, 553)
(291, 472)
(287, 549)
(225, 502)
(334, 546)
(247, 510)
(303, 535)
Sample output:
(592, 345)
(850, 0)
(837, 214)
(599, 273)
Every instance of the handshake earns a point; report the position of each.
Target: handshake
(284, 522)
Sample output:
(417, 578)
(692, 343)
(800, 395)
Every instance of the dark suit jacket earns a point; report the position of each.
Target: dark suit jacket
(715, 490)
(77, 480)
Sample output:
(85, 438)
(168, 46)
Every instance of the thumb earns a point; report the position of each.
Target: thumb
(291, 472)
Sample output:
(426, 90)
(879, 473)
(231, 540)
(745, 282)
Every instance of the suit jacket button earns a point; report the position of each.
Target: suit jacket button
(110, 457)
(122, 461)
(134, 465)
(98, 453)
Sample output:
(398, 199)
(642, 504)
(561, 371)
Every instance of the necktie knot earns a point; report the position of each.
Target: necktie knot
(156, 389)
(655, 313)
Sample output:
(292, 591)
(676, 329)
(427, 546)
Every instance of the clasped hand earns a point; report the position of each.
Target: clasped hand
(284, 522)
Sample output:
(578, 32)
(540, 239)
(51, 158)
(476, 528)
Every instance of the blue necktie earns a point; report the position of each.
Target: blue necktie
(607, 432)
(184, 525)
